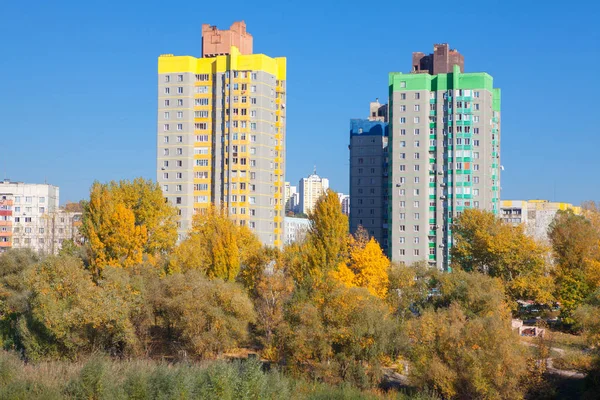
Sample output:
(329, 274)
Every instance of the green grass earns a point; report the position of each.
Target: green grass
(101, 378)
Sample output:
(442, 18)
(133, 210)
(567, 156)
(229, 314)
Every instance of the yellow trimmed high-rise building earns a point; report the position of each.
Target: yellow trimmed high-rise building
(221, 132)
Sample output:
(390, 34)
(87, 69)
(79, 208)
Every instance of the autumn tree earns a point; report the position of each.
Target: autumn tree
(270, 294)
(575, 244)
(126, 222)
(339, 335)
(486, 244)
(204, 317)
(464, 347)
(328, 233)
(367, 267)
(215, 245)
(68, 314)
(410, 287)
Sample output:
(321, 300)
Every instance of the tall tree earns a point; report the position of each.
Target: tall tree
(486, 244)
(325, 247)
(575, 246)
(126, 222)
(216, 246)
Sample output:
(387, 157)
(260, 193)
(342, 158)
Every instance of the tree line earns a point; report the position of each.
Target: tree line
(331, 308)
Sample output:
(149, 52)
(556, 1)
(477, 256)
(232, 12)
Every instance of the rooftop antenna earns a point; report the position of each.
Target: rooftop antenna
(315, 170)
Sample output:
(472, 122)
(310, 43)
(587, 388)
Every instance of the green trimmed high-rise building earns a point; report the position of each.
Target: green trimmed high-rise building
(444, 154)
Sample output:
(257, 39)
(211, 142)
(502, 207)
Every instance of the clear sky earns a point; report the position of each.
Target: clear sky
(78, 81)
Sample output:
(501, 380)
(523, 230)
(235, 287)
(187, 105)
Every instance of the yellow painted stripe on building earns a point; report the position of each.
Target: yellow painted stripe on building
(169, 63)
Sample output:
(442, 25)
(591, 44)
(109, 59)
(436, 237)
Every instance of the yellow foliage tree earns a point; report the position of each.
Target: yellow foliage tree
(216, 246)
(486, 244)
(370, 267)
(126, 222)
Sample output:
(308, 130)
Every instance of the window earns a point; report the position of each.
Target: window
(417, 131)
(417, 215)
(165, 163)
(42, 200)
(201, 138)
(416, 252)
(178, 188)
(167, 103)
(28, 199)
(167, 78)
(165, 152)
(477, 106)
(402, 228)
(416, 179)
(167, 90)
(178, 200)
(179, 151)
(401, 215)
(416, 157)
(475, 167)
(166, 127)
(417, 120)
(402, 204)
(180, 102)
(180, 90)
(165, 188)
(476, 118)
(401, 252)
(416, 240)
(179, 127)
(476, 131)
(401, 240)
(416, 192)
(402, 132)
(402, 108)
(179, 78)
(402, 167)
(417, 143)
(417, 107)
(402, 120)
(417, 96)
(42, 210)
(475, 179)
(165, 175)
(476, 94)
(416, 228)
(403, 144)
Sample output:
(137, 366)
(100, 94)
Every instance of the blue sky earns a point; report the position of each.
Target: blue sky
(78, 87)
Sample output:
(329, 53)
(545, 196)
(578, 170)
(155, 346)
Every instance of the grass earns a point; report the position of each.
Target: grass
(101, 378)
(574, 360)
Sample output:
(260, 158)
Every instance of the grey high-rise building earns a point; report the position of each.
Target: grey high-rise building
(442, 153)
(221, 132)
(369, 172)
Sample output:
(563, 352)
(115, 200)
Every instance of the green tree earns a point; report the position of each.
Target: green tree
(486, 244)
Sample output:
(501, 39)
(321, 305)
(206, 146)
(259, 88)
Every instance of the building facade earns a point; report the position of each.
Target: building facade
(295, 229)
(30, 217)
(291, 198)
(221, 133)
(369, 177)
(444, 151)
(535, 215)
(345, 203)
(310, 189)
